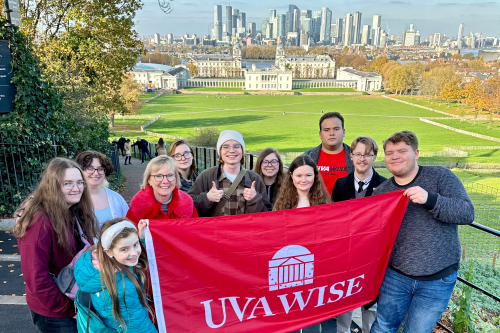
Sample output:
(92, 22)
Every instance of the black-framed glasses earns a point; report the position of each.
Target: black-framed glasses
(170, 177)
(90, 170)
(271, 162)
(186, 155)
(68, 186)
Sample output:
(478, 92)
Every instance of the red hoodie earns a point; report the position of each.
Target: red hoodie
(145, 206)
(40, 256)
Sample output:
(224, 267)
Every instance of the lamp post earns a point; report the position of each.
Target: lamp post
(7, 12)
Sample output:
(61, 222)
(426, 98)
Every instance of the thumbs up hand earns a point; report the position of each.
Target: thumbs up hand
(250, 193)
(214, 195)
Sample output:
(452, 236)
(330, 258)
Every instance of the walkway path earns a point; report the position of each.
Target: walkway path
(134, 173)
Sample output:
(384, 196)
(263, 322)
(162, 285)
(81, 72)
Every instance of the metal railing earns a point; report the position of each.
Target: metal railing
(22, 163)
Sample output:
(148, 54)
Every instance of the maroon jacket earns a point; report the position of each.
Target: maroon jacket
(40, 256)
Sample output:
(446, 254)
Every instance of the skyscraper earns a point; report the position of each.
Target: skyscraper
(340, 26)
(218, 22)
(296, 20)
(272, 14)
(252, 29)
(383, 38)
(356, 28)
(157, 38)
(365, 37)
(290, 18)
(460, 35)
(281, 25)
(229, 20)
(236, 13)
(334, 31)
(306, 26)
(347, 40)
(269, 30)
(243, 19)
(264, 27)
(376, 32)
(326, 22)
(316, 17)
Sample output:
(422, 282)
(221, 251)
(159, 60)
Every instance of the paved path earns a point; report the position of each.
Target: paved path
(134, 173)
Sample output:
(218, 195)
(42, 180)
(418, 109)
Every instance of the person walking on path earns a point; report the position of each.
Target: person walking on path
(183, 155)
(128, 152)
(107, 203)
(114, 274)
(425, 259)
(161, 148)
(227, 188)
(359, 184)
(48, 239)
(121, 144)
(269, 167)
(332, 156)
(143, 147)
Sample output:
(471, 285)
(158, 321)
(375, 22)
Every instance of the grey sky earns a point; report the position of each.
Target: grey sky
(192, 16)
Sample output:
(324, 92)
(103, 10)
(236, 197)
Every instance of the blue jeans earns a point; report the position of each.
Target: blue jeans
(423, 301)
(144, 152)
(54, 325)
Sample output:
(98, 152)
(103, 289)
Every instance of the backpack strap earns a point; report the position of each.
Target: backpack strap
(230, 191)
(88, 314)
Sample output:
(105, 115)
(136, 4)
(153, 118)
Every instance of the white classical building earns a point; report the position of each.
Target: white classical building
(365, 81)
(160, 76)
(219, 65)
(268, 79)
(309, 66)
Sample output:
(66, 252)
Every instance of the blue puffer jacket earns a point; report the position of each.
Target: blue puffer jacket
(134, 314)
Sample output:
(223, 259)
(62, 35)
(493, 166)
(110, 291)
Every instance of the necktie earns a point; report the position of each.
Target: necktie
(360, 188)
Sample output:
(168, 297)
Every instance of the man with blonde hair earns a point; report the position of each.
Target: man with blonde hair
(425, 259)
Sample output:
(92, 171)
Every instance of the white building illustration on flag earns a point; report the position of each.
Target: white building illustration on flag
(291, 266)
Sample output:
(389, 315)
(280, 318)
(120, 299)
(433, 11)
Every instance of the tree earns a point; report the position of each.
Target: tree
(452, 91)
(193, 70)
(377, 64)
(130, 92)
(468, 56)
(456, 56)
(85, 49)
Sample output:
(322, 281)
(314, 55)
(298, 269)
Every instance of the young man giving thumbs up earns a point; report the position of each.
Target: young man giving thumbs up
(228, 189)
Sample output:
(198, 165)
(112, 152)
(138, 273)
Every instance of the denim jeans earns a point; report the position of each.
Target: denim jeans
(144, 152)
(54, 325)
(423, 301)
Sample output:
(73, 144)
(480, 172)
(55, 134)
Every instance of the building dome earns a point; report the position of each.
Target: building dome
(291, 251)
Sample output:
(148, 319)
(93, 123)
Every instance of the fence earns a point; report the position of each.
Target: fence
(21, 164)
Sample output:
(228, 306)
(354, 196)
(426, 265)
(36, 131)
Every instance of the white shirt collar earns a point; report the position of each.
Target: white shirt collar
(366, 181)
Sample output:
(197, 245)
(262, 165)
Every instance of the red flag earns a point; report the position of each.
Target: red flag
(271, 272)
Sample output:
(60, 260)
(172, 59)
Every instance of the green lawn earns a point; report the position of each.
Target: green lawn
(325, 90)
(480, 126)
(355, 105)
(437, 104)
(146, 96)
(212, 89)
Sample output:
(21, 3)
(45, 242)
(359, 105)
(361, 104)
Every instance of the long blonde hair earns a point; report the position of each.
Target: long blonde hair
(48, 199)
(109, 267)
(289, 198)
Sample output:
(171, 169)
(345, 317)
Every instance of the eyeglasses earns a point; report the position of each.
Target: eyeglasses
(228, 147)
(179, 157)
(271, 162)
(361, 156)
(69, 185)
(90, 170)
(159, 178)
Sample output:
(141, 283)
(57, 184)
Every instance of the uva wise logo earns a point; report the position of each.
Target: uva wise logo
(291, 266)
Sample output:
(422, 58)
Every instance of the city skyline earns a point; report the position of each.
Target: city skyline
(197, 17)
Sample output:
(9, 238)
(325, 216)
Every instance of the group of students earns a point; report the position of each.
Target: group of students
(72, 207)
